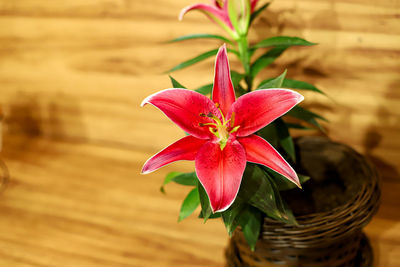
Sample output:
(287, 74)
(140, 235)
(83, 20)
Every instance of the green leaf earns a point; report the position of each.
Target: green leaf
(285, 140)
(257, 12)
(282, 41)
(205, 89)
(297, 126)
(205, 202)
(283, 208)
(212, 216)
(230, 216)
(277, 134)
(290, 83)
(189, 178)
(266, 59)
(256, 190)
(200, 36)
(175, 83)
(168, 179)
(190, 203)
(270, 134)
(236, 77)
(194, 60)
(274, 83)
(283, 183)
(180, 178)
(251, 220)
(199, 58)
(307, 116)
(239, 91)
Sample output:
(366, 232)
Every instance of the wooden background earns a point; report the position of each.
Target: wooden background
(72, 76)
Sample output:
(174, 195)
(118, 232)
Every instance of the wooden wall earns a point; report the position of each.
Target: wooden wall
(73, 74)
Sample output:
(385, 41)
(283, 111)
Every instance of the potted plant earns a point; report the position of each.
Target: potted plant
(243, 151)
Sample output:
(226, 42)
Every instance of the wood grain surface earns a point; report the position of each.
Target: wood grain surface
(72, 76)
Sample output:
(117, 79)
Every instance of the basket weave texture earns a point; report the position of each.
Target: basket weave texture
(330, 238)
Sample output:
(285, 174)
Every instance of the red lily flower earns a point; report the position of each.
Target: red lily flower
(222, 131)
(218, 12)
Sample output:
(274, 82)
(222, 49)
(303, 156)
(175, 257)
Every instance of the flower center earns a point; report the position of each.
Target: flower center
(221, 129)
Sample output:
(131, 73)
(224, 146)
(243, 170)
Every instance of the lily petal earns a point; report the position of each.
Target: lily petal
(213, 12)
(183, 149)
(184, 107)
(257, 109)
(260, 151)
(223, 92)
(220, 172)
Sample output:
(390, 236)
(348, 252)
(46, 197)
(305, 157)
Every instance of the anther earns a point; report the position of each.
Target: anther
(202, 115)
(201, 124)
(232, 119)
(210, 115)
(217, 105)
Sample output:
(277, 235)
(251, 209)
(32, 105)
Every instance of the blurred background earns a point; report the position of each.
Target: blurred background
(72, 76)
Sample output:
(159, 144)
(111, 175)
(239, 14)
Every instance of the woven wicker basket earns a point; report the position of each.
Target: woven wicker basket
(329, 238)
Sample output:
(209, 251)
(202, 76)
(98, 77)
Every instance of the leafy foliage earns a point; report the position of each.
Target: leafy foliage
(266, 59)
(257, 12)
(190, 203)
(201, 36)
(259, 195)
(283, 41)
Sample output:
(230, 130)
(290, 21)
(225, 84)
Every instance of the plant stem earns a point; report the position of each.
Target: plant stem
(244, 55)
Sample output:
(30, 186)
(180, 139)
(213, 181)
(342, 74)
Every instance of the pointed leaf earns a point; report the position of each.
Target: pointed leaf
(181, 178)
(212, 216)
(274, 83)
(290, 83)
(256, 190)
(283, 184)
(197, 59)
(281, 204)
(257, 12)
(285, 140)
(175, 83)
(307, 116)
(283, 41)
(230, 216)
(270, 134)
(251, 220)
(189, 179)
(168, 179)
(201, 36)
(194, 60)
(266, 59)
(297, 126)
(190, 203)
(206, 210)
(205, 89)
(236, 77)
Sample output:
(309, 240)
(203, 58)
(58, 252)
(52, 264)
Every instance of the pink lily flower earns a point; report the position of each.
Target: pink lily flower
(218, 12)
(222, 131)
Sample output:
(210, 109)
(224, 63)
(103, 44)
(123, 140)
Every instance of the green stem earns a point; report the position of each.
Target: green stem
(244, 55)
